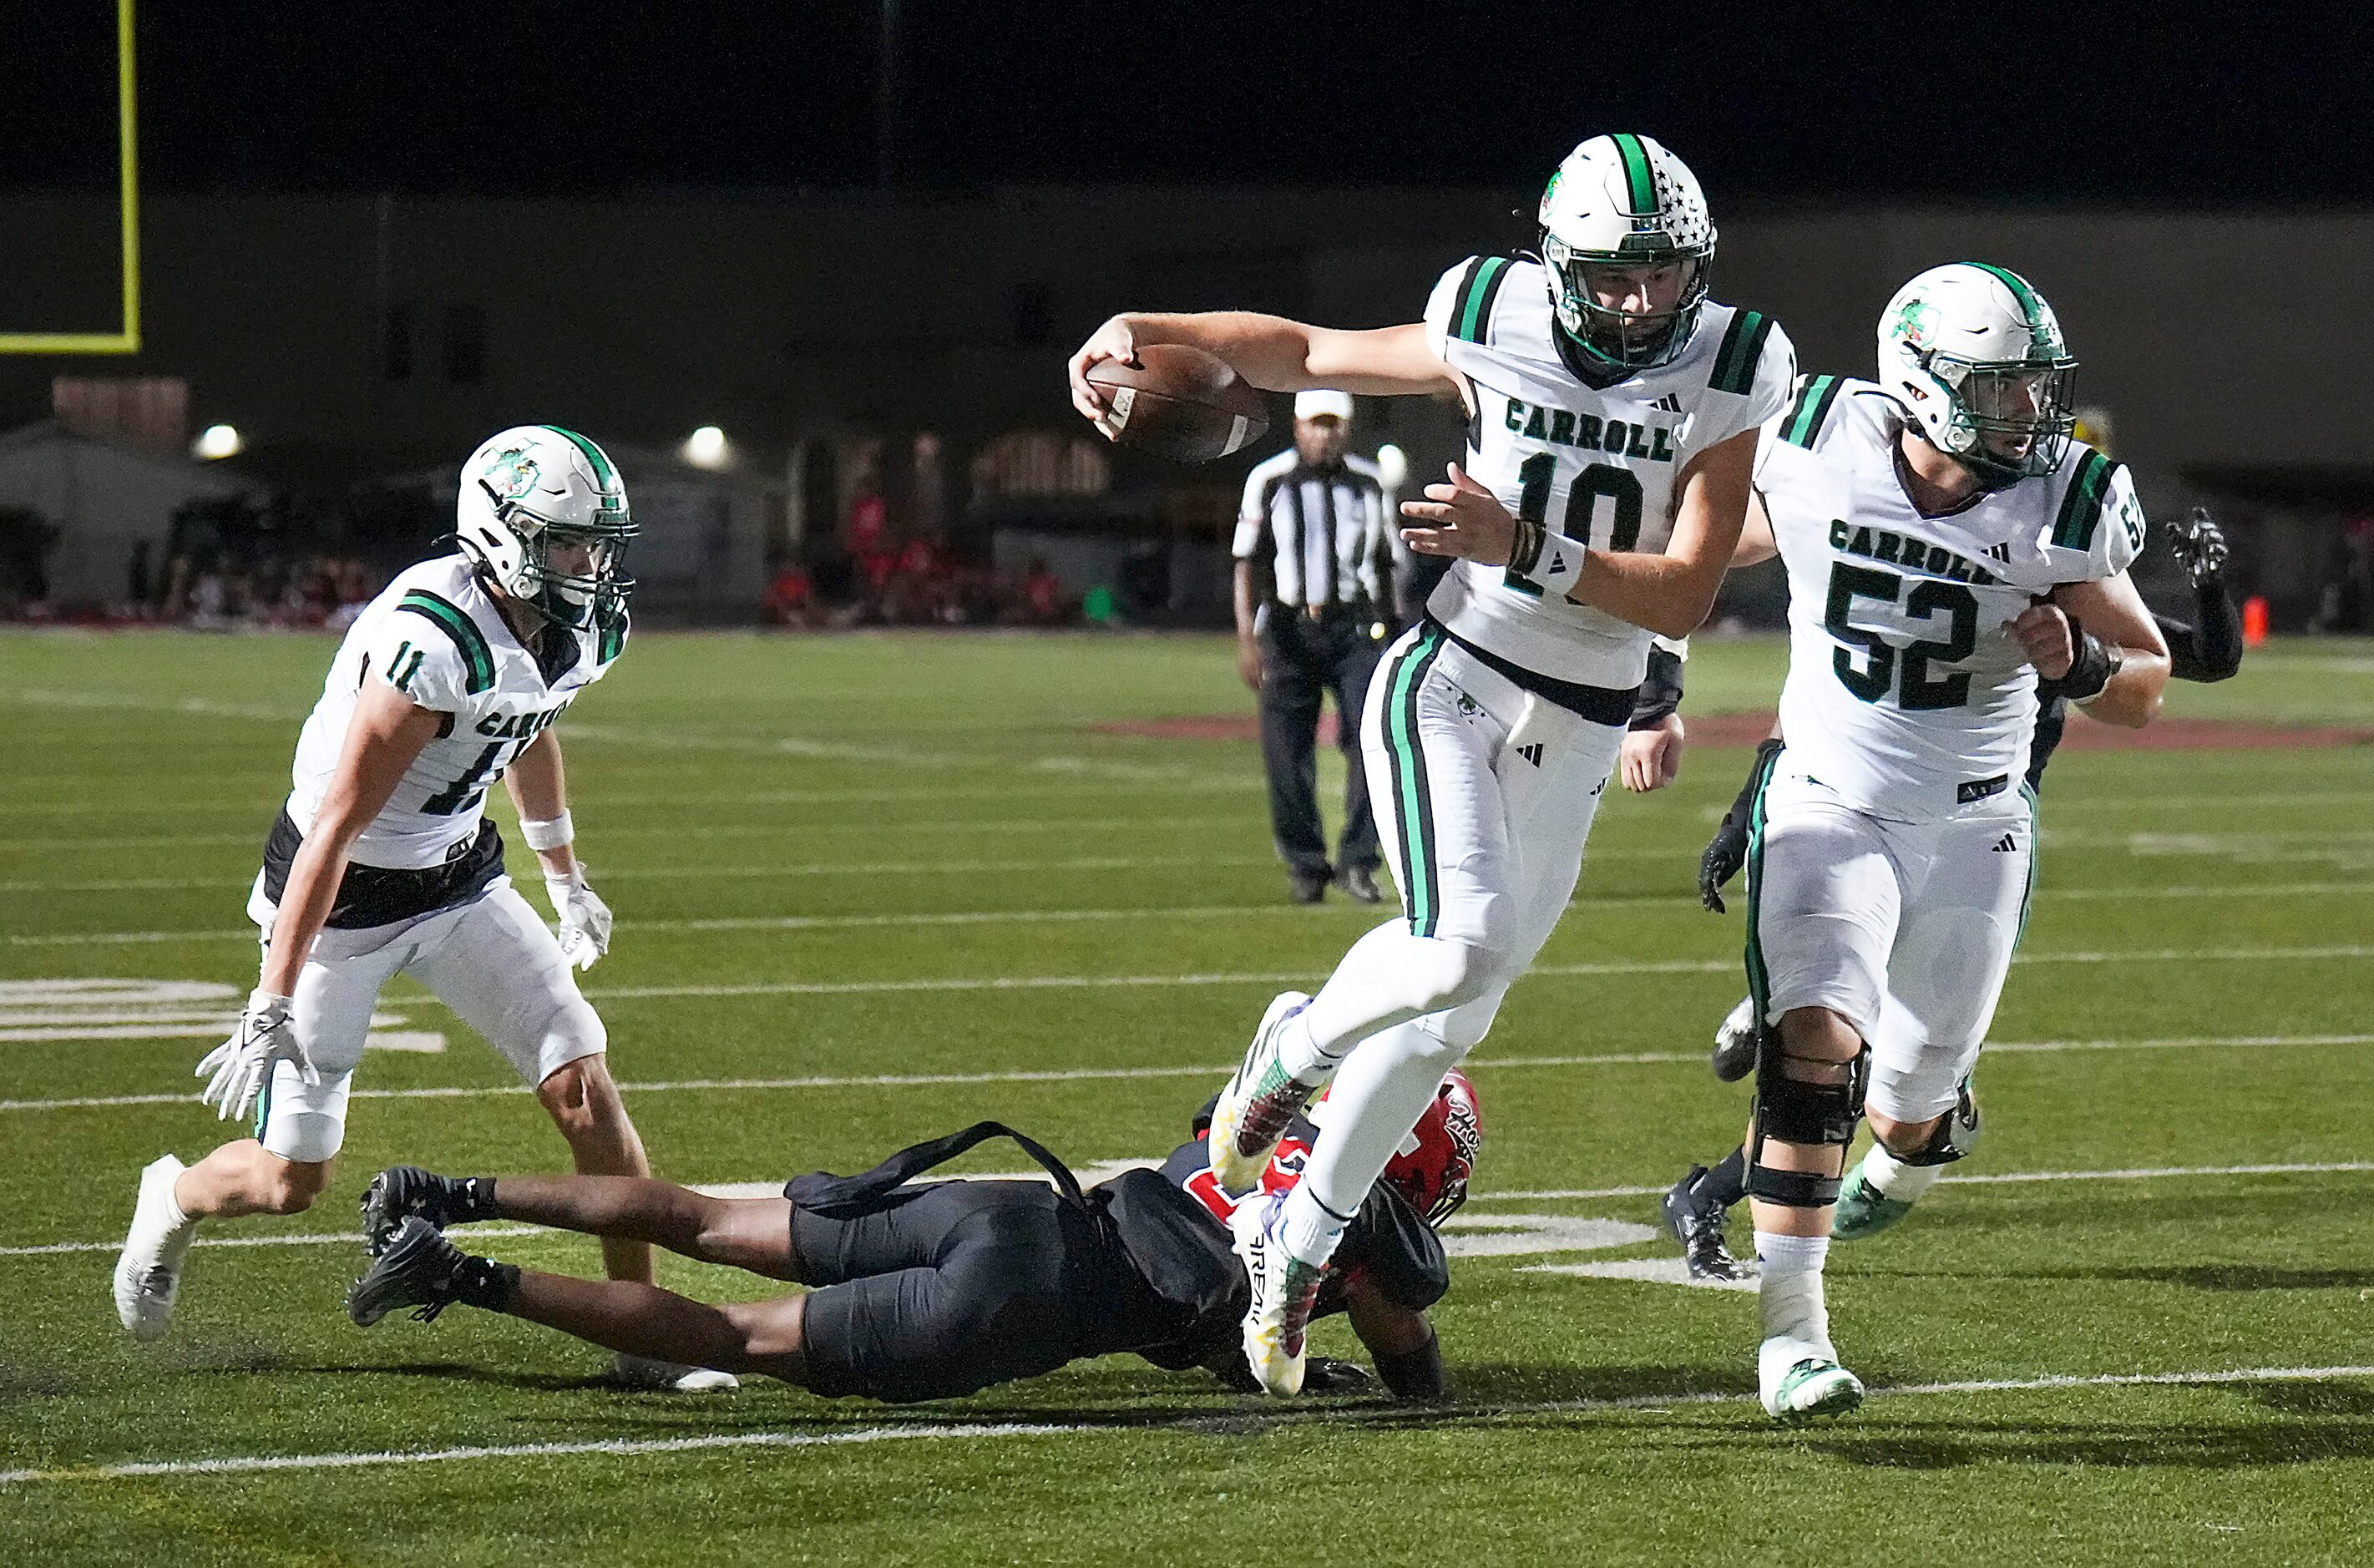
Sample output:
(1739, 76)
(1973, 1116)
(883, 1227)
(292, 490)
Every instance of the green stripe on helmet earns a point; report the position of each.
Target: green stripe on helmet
(1636, 172)
(2029, 302)
(604, 474)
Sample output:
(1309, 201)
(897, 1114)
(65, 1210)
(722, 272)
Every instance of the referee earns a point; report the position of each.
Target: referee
(1313, 579)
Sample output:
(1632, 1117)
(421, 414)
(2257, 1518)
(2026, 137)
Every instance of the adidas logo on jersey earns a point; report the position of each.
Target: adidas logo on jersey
(1668, 404)
(2007, 844)
(1532, 753)
(2000, 552)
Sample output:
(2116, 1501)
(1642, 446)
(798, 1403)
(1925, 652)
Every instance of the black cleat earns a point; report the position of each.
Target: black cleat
(1307, 887)
(400, 1191)
(419, 1267)
(1360, 882)
(1697, 1221)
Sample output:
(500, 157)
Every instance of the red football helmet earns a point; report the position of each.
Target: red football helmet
(1439, 1156)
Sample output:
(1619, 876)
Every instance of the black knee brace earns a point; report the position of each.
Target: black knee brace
(1796, 1111)
(1955, 1134)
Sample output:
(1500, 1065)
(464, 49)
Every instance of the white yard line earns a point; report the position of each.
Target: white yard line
(1096, 1074)
(2136, 1173)
(2364, 888)
(248, 1464)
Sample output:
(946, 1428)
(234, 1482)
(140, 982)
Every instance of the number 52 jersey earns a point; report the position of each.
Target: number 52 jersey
(1906, 693)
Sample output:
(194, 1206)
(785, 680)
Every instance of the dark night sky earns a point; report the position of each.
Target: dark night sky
(2158, 105)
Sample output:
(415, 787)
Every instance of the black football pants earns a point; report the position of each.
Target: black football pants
(1303, 658)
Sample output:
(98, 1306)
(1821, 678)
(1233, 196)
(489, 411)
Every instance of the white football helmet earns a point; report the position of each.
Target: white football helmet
(1623, 200)
(1977, 358)
(544, 512)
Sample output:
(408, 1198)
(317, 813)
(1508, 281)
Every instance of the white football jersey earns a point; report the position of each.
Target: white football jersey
(1593, 459)
(1906, 694)
(436, 636)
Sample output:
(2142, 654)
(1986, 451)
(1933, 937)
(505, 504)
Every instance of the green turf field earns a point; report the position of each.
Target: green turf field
(872, 888)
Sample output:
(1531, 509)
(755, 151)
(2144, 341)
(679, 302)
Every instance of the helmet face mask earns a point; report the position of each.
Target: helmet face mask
(543, 513)
(1628, 247)
(1583, 282)
(1976, 358)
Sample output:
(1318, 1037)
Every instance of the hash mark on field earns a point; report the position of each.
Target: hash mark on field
(1198, 1420)
(1083, 1074)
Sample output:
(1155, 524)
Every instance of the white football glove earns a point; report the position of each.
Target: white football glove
(243, 1064)
(585, 921)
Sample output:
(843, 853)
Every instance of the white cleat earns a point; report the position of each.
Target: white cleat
(671, 1378)
(1258, 1105)
(1803, 1381)
(148, 1273)
(1284, 1289)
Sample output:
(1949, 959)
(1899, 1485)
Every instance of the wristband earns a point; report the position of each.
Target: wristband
(550, 833)
(1661, 690)
(2091, 670)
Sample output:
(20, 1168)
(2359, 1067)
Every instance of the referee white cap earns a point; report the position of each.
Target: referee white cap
(1320, 402)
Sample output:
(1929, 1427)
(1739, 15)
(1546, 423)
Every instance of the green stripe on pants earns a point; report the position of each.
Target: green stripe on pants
(1413, 802)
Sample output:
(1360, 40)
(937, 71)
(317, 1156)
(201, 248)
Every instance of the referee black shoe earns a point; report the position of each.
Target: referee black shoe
(1696, 1220)
(1307, 887)
(1360, 882)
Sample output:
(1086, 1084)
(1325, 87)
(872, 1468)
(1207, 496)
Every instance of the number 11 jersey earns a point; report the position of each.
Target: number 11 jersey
(1906, 694)
(1594, 457)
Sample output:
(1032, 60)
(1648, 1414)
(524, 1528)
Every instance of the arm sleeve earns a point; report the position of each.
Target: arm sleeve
(2213, 650)
(1661, 689)
(416, 656)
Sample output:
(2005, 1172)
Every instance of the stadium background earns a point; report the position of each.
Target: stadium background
(871, 886)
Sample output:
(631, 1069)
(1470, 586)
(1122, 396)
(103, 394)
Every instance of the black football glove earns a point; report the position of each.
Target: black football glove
(1728, 849)
(2199, 544)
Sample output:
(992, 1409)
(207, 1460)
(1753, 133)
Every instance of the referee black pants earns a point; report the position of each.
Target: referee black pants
(1303, 658)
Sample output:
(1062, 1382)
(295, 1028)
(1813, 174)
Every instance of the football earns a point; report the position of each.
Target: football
(1180, 403)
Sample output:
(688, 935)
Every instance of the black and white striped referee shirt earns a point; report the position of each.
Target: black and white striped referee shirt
(1322, 530)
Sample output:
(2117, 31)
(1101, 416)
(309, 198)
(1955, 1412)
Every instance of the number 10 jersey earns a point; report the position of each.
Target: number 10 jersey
(1586, 456)
(1906, 695)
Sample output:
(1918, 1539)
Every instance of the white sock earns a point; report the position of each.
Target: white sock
(1377, 1098)
(1307, 1230)
(1301, 1058)
(1891, 1178)
(1789, 1291)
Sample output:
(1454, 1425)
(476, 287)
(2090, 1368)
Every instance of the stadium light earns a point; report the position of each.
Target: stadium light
(1392, 467)
(707, 448)
(217, 441)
